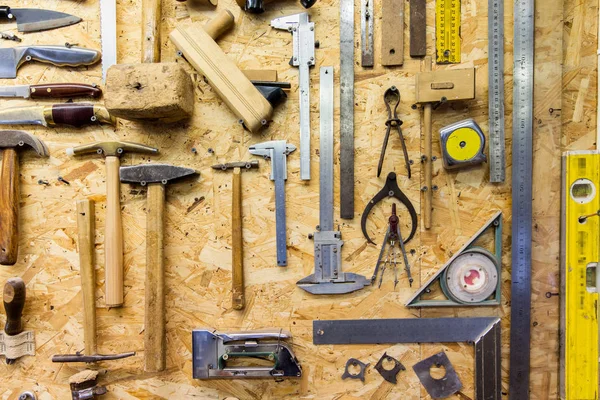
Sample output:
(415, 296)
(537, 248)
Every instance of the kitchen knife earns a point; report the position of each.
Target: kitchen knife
(12, 58)
(51, 91)
(34, 20)
(74, 114)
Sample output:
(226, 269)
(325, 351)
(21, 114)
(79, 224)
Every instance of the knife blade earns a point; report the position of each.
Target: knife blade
(35, 20)
(12, 58)
(73, 114)
(51, 90)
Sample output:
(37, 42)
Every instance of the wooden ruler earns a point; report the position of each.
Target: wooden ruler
(447, 31)
(522, 154)
(580, 242)
(392, 32)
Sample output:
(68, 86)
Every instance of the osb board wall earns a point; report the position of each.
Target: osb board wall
(197, 237)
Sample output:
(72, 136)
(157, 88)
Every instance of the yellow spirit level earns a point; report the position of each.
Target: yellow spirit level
(580, 243)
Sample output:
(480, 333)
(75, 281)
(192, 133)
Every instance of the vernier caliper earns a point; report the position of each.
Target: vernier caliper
(277, 151)
(328, 277)
(303, 33)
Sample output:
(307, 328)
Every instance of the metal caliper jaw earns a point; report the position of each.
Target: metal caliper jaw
(328, 277)
(212, 350)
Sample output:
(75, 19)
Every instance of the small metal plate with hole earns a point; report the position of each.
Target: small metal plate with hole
(389, 375)
(353, 362)
(442, 387)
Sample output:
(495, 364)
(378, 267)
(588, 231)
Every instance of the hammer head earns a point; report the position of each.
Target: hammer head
(111, 148)
(153, 173)
(20, 139)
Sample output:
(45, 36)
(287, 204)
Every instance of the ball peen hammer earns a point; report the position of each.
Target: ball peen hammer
(113, 238)
(237, 242)
(10, 141)
(155, 177)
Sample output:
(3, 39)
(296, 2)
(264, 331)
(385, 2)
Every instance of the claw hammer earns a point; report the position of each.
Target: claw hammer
(237, 242)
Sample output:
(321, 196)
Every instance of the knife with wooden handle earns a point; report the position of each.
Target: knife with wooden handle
(51, 91)
(73, 114)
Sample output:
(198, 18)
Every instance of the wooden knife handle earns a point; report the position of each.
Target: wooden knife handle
(77, 114)
(151, 31)
(60, 90)
(155, 348)
(237, 243)
(14, 301)
(9, 207)
(113, 237)
(85, 228)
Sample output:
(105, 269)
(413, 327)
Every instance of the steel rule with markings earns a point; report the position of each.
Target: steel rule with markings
(447, 31)
(496, 90)
(347, 109)
(522, 152)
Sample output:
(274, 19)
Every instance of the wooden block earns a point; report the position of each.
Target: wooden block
(264, 75)
(392, 32)
(161, 91)
(451, 84)
(205, 55)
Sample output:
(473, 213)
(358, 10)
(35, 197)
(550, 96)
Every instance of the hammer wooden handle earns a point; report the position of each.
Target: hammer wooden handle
(237, 271)
(154, 321)
(427, 126)
(14, 302)
(113, 237)
(85, 227)
(151, 31)
(9, 207)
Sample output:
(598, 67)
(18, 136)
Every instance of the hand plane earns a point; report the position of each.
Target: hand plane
(212, 350)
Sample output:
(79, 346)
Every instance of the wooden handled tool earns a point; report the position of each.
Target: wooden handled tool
(9, 190)
(85, 226)
(237, 241)
(198, 46)
(151, 31)
(438, 87)
(14, 301)
(113, 238)
(156, 177)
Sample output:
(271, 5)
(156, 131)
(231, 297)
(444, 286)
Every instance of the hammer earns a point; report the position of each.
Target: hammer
(14, 301)
(113, 238)
(156, 177)
(9, 190)
(237, 243)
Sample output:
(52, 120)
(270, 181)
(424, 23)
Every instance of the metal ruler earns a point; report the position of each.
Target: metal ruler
(522, 154)
(447, 31)
(326, 150)
(108, 30)
(483, 333)
(347, 109)
(303, 57)
(496, 89)
(580, 277)
(366, 33)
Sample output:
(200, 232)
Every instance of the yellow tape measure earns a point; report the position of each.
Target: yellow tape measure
(580, 276)
(447, 31)
(462, 144)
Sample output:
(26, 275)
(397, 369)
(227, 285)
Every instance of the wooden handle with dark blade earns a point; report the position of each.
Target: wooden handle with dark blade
(14, 302)
(113, 237)
(155, 346)
(9, 207)
(151, 31)
(61, 90)
(237, 243)
(85, 228)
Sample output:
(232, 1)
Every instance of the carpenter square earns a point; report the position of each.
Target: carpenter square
(35, 20)
(347, 109)
(328, 277)
(496, 90)
(482, 332)
(277, 151)
(303, 34)
(522, 153)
